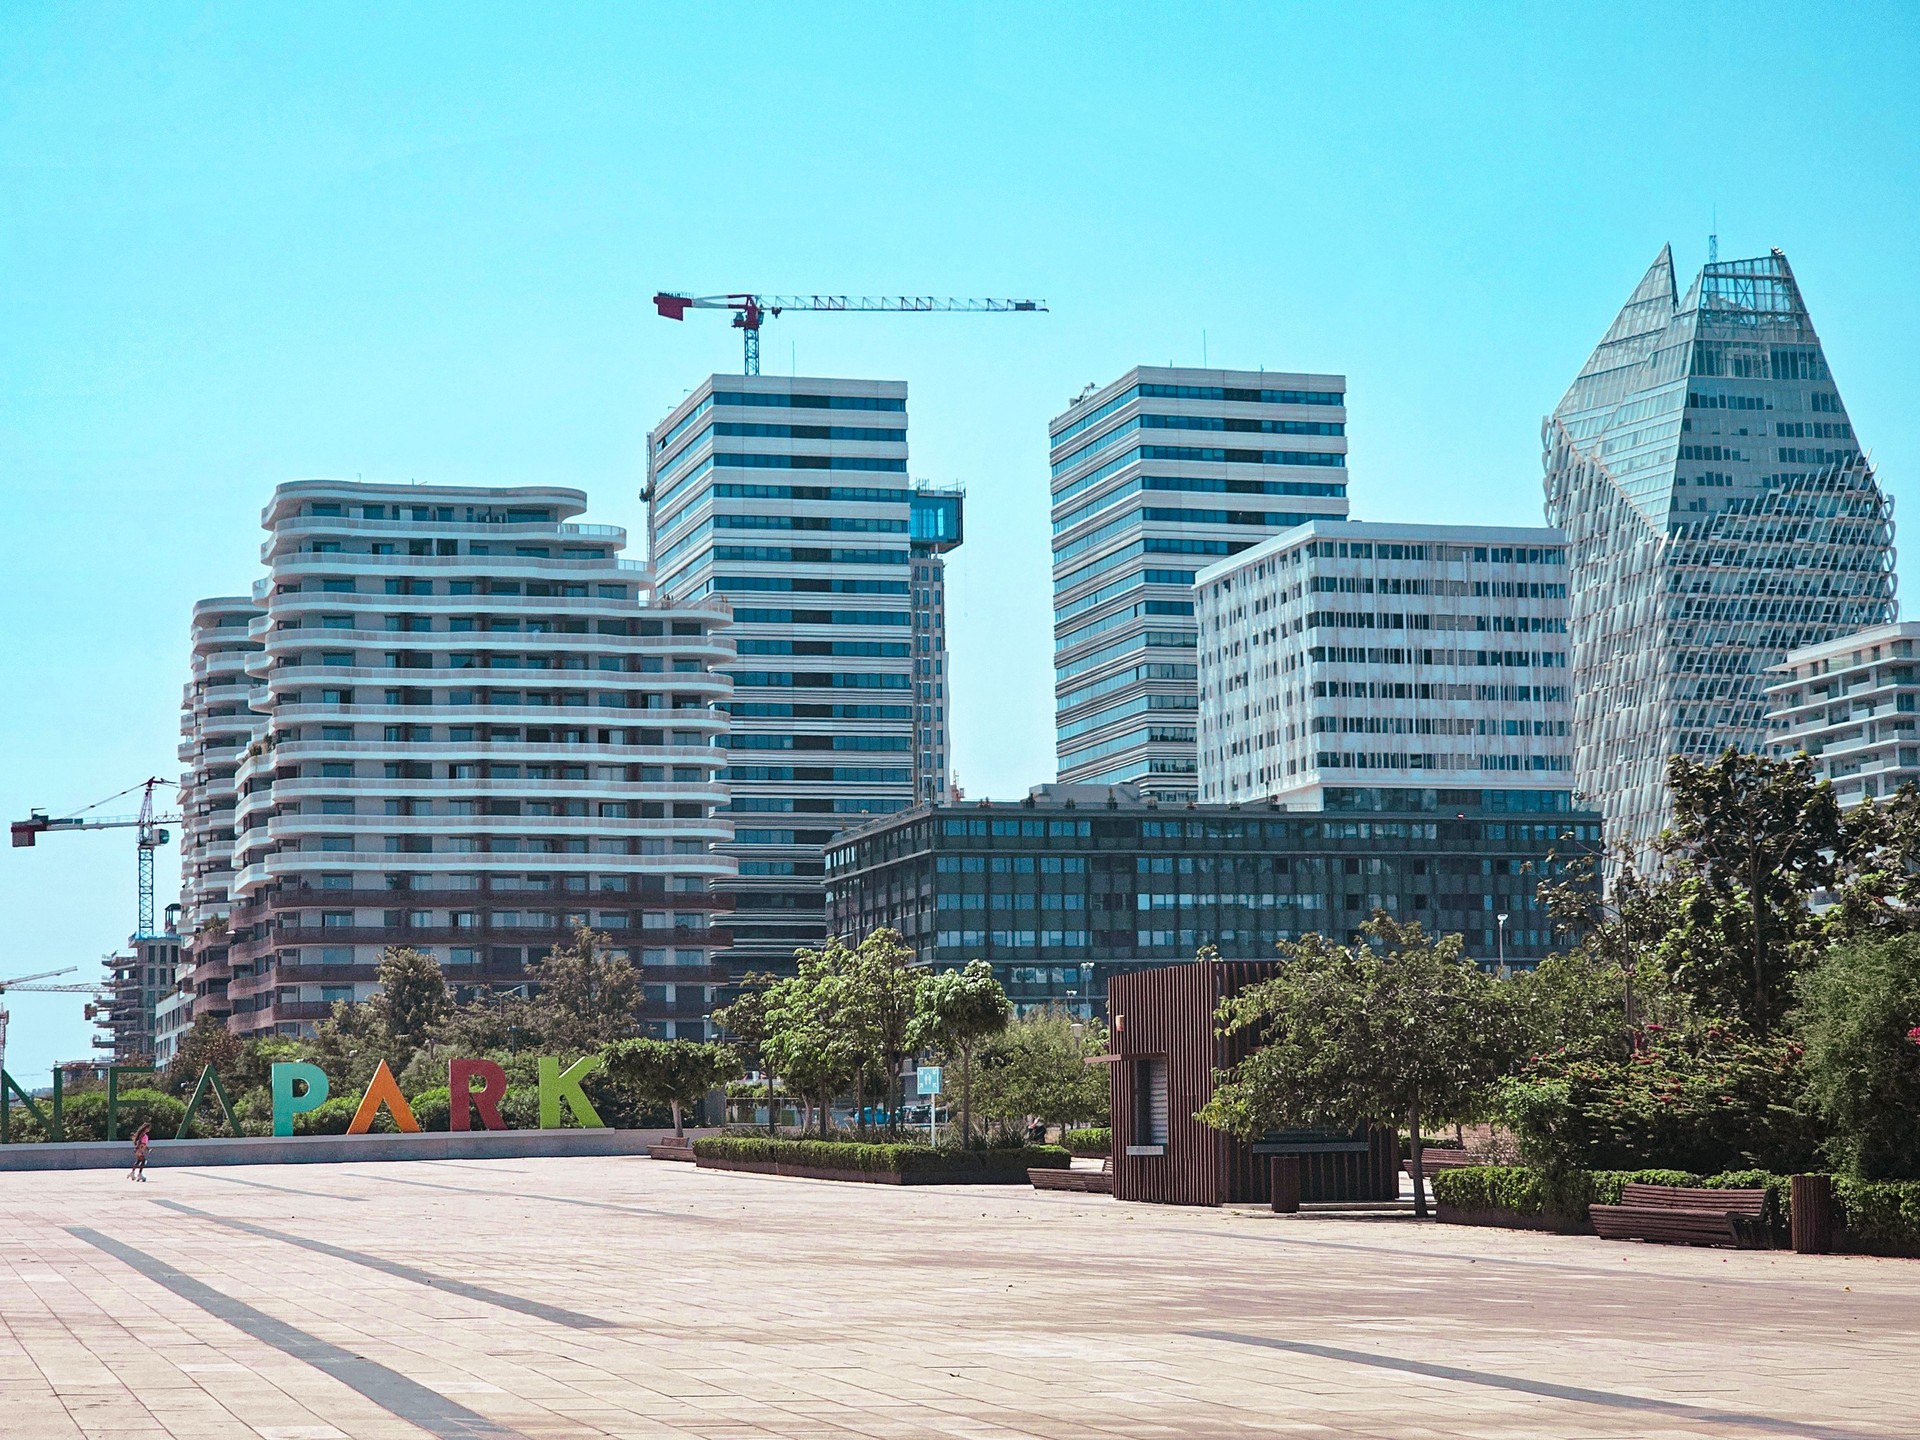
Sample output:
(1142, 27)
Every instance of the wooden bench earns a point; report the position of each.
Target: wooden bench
(672, 1148)
(1090, 1182)
(1676, 1215)
(1432, 1160)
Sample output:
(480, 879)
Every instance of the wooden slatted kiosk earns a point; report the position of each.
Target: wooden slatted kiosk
(1164, 1054)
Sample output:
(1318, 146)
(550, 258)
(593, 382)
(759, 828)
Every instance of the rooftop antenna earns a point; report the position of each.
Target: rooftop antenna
(1713, 239)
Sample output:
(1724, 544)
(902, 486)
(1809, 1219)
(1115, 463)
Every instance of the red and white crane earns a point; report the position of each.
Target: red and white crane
(751, 311)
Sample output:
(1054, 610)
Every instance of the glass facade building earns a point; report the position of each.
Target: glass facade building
(1349, 652)
(1719, 514)
(1154, 477)
(1080, 882)
(788, 498)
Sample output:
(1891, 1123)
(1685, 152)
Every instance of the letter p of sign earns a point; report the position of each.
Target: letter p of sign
(286, 1104)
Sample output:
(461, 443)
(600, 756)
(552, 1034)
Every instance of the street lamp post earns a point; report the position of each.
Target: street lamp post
(1502, 918)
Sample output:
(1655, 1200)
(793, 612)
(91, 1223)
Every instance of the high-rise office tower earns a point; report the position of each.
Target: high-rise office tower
(1154, 477)
(1344, 657)
(788, 497)
(1719, 513)
(476, 732)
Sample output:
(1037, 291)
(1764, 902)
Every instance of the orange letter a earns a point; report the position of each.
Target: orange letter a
(383, 1089)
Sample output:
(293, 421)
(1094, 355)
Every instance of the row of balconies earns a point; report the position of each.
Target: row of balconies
(561, 569)
(272, 867)
(299, 898)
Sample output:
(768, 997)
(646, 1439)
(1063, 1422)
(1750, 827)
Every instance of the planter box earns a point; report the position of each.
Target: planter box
(1511, 1220)
(326, 1149)
(870, 1177)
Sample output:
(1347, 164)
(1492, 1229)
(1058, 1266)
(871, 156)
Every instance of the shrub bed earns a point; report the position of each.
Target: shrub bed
(883, 1164)
(1097, 1143)
(1879, 1217)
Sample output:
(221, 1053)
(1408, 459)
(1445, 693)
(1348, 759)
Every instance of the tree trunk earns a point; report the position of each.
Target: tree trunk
(826, 1114)
(860, 1106)
(772, 1128)
(1419, 1169)
(966, 1098)
(679, 1130)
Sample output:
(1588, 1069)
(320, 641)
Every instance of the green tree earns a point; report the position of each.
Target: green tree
(1875, 892)
(744, 1026)
(957, 1011)
(881, 998)
(349, 1045)
(1396, 1027)
(1859, 1020)
(1616, 932)
(807, 1042)
(676, 1072)
(208, 1042)
(1751, 841)
(1036, 1070)
(492, 1022)
(411, 1003)
(585, 998)
(1577, 1001)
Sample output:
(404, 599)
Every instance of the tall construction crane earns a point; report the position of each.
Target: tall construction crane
(751, 311)
(25, 982)
(148, 837)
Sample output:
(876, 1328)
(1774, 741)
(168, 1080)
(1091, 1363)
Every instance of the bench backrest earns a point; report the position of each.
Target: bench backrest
(1679, 1197)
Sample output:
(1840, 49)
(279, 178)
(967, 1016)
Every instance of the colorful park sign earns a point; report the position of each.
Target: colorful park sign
(298, 1087)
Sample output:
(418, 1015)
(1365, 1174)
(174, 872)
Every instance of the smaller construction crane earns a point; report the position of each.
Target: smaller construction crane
(25, 982)
(147, 824)
(751, 311)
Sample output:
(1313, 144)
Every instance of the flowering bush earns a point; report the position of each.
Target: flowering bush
(1705, 1097)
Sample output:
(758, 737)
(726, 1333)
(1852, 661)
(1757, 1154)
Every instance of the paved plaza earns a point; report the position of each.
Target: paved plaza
(628, 1297)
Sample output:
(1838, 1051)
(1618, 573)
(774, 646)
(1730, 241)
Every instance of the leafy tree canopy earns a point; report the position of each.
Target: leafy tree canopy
(1036, 1070)
(674, 1072)
(1397, 1027)
(1859, 1020)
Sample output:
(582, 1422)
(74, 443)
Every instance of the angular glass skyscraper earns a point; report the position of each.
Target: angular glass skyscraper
(1719, 513)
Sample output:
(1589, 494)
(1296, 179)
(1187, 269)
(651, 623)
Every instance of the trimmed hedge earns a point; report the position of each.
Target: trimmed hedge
(1097, 1143)
(1566, 1197)
(879, 1159)
(1876, 1216)
(1882, 1217)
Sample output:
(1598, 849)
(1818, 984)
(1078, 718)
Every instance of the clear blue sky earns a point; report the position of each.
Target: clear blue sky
(240, 245)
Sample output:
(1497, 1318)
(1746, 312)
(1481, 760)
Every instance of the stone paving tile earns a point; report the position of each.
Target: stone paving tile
(742, 1306)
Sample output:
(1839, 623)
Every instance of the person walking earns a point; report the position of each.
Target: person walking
(141, 1144)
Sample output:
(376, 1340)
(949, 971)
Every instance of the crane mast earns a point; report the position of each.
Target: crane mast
(750, 312)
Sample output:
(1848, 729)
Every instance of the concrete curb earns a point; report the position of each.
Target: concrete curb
(332, 1149)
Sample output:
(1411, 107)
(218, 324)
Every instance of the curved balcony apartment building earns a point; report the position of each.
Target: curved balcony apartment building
(479, 732)
(217, 723)
(1155, 477)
